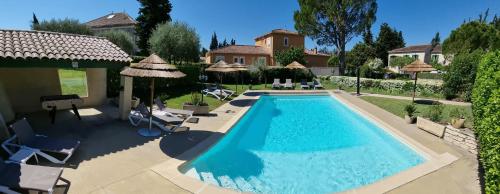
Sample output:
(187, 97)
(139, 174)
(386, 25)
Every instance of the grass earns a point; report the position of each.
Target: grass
(396, 107)
(73, 81)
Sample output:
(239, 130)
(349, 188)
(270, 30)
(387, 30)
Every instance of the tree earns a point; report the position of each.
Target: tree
(224, 43)
(151, 13)
(214, 43)
(121, 39)
(358, 55)
(334, 22)
(388, 39)
(67, 25)
(400, 61)
(34, 22)
(471, 36)
(436, 40)
(287, 56)
(333, 61)
(368, 37)
(203, 52)
(459, 79)
(176, 42)
(233, 42)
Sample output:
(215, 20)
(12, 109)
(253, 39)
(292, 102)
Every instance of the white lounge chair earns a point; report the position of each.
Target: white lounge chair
(216, 93)
(288, 84)
(317, 84)
(276, 84)
(25, 138)
(303, 84)
(165, 122)
(27, 178)
(164, 110)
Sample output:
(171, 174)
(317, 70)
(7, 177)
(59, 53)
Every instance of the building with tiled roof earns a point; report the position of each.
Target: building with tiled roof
(265, 48)
(114, 21)
(32, 65)
(424, 52)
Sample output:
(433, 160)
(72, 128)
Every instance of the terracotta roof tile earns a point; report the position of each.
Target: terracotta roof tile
(51, 45)
(242, 49)
(112, 19)
(417, 49)
(278, 31)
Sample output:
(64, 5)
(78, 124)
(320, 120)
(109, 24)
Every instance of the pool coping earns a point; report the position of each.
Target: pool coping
(169, 169)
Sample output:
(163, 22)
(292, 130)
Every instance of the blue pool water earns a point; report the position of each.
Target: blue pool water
(301, 144)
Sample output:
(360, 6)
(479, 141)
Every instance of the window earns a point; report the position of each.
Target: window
(239, 59)
(285, 41)
(414, 56)
(261, 60)
(73, 81)
(435, 58)
(219, 58)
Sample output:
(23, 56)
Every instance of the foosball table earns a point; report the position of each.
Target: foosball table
(61, 102)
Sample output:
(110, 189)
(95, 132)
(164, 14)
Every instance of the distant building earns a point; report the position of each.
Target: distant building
(265, 49)
(423, 52)
(114, 21)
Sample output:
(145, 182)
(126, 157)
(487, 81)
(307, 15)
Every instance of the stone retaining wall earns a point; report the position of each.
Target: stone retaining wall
(463, 138)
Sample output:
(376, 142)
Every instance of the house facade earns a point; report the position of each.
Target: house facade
(114, 21)
(265, 49)
(424, 52)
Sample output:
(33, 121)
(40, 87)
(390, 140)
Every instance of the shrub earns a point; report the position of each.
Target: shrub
(424, 86)
(457, 113)
(486, 111)
(435, 112)
(400, 61)
(459, 78)
(72, 26)
(175, 42)
(286, 57)
(121, 39)
(410, 109)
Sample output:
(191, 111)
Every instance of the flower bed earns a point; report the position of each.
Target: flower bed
(397, 86)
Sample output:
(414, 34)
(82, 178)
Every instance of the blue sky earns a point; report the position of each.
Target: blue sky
(244, 20)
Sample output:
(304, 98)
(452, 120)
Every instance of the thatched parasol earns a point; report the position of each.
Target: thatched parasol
(416, 67)
(221, 67)
(295, 66)
(152, 67)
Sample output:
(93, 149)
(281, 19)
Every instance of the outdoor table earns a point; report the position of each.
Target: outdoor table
(55, 102)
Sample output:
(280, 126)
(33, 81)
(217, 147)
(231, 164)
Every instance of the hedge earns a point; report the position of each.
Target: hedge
(424, 86)
(486, 110)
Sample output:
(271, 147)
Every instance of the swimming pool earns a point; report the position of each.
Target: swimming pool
(301, 144)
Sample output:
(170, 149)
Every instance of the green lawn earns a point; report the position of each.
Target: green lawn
(397, 107)
(73, 81)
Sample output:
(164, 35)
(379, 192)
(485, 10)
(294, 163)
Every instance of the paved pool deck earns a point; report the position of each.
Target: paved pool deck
(114, 159)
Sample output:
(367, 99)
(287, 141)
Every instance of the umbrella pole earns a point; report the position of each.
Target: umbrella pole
(220, 87)
(237, 80)
(415, 87)
(149, 132)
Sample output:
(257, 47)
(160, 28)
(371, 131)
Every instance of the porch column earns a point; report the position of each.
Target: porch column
(125, 102)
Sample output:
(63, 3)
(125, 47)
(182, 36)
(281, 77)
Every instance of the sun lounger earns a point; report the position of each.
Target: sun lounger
(288, 84)
(165, 122)
(162, 109)
(276, 84)
(16, 177)
(303, 84)
(220, 95)
(317, 84)
(46, 147)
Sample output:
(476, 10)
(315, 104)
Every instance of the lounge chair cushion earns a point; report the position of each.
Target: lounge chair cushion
(24, 132)
(25, 176)
(50, 144)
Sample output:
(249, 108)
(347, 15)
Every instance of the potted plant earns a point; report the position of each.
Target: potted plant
(431, 121)
(410, 110)
(457, 118)
(196, 105)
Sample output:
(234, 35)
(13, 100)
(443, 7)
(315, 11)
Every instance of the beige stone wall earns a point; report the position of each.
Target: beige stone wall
(24, 86)
(249, 58)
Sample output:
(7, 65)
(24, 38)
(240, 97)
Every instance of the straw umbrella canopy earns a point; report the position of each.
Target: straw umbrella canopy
(152, 67)
(295, 66)
(239, 68)
(221, 67)
(416, 67)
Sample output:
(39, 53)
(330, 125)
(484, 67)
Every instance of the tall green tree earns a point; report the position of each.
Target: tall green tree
(436, 40)
(334, 22)
(287, 56)
(176, 42)
(233, 42)
(471, 36)
(388, 39)
(34, 22)
(203, 52)
(72, 26)
(151, 13)
(121, 39)
(214, 43)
